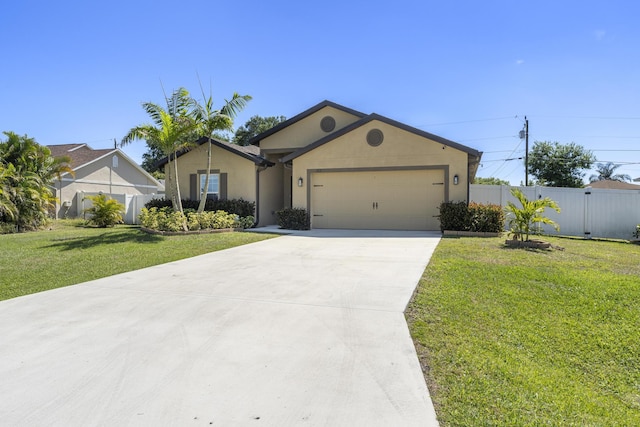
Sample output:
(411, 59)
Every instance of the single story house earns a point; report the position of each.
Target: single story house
(346, 168)
(109, 171)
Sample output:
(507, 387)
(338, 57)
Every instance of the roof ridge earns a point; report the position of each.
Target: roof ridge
(302, 115)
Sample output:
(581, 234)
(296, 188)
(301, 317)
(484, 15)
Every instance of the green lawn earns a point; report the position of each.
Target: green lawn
(70, 254)
(521, 337)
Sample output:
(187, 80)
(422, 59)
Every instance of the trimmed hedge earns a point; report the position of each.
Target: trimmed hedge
(293, 219)
(165, 219)
(240, 207)
(476, 217)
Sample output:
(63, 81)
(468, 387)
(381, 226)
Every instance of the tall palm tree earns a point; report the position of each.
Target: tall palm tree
(606, 173)
(170, 132)
(209, 121)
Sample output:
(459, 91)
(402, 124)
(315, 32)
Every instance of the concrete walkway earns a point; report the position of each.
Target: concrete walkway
(303, 329)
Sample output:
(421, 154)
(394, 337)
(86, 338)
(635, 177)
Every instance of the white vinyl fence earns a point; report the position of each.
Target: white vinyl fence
(133, 204)
(585, 212)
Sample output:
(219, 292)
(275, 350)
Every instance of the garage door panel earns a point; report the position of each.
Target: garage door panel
(405, 199)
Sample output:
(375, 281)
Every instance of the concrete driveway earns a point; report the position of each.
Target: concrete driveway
(303, 329)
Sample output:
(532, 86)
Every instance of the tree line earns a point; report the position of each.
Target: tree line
(563, 165)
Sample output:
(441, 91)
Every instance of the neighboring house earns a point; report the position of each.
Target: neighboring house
(109, 171)
(346, 168)
(613, 185)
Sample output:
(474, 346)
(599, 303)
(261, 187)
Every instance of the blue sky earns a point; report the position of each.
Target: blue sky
(468, 71)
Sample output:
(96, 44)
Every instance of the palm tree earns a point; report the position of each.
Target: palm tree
(606, 173)
(7, 207)
(210, 121)
(521, 220)
(26, 176)
(170, 132)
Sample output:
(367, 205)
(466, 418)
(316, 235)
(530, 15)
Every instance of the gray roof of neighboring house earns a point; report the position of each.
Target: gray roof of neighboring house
(249, 152)
(80, 154)
(256, 139)
(613, 185)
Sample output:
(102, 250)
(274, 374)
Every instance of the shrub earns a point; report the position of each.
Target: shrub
(293, 219)
(459, 216)
(240, 207)
(245, 222)
(454, 216)
(165, 219)
(8, 228)
(105, 212)
(487, 218)
(636, 233)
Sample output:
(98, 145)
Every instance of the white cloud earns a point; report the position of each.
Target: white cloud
(600, 34)
(520, 62)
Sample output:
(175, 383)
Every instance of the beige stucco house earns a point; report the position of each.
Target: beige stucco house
(109, 171)
(346, 168)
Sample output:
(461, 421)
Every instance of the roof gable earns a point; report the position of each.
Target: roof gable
(256, 139)
(82, 155)
(248, 152)
(371, 117)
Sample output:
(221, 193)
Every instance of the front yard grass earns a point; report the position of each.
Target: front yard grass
(70, 254)
(525, 337)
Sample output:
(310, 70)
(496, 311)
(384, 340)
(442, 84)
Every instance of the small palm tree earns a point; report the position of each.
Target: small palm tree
(105, 212)
(209, 121)
(521, 220)
(606, 173)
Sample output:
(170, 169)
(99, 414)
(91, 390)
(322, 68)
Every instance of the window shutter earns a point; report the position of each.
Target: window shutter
(223, 186)
(193, 186)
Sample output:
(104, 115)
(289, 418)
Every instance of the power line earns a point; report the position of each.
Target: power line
(469, 121)
(586, 117)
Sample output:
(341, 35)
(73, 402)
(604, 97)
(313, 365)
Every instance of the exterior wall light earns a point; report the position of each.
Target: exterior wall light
(456, 179)
(300, 182)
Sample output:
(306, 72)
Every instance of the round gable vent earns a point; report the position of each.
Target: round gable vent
(375, 137)
(328, 124)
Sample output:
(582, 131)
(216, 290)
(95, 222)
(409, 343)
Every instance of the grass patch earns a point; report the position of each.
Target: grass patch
(69, 254)
(530, 337)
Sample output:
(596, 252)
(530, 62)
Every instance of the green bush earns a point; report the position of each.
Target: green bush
(458, 216)
(246, 222)
(242, 208)
(165, 219)
(293, 219)
(488, 218)
(454, 216)
(8, 228)
(105, 212)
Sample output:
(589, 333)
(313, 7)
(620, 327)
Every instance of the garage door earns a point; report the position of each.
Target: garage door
(384, 200)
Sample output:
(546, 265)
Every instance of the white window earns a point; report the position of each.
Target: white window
(213, 192)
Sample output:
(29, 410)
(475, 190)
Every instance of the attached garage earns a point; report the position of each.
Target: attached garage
(386, 199)
(352, 170)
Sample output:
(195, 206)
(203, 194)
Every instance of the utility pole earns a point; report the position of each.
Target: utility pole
(526, 151)
(524, 134)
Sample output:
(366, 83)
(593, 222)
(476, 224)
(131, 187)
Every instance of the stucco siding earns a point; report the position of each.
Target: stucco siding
(306, 131)
(271, 194)
(399, 149)
(241, 172)
(100, 176)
